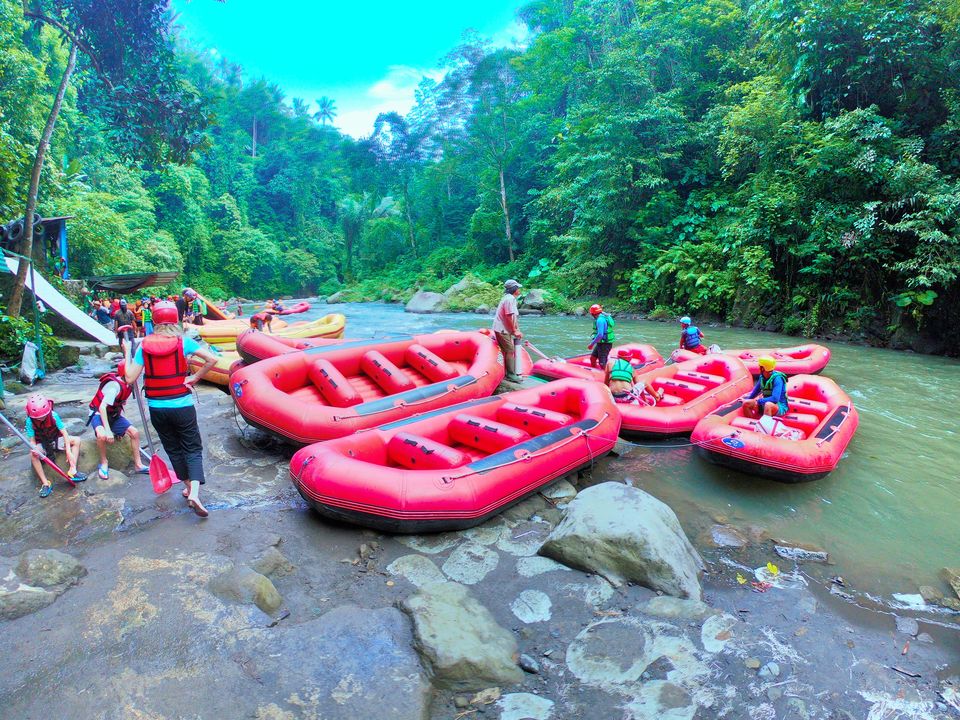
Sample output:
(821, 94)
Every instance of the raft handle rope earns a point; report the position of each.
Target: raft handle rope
(836, 428)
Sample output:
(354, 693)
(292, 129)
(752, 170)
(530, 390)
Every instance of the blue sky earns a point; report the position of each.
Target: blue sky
(368, 56)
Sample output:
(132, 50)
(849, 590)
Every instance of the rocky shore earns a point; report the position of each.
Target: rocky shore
(586, 600)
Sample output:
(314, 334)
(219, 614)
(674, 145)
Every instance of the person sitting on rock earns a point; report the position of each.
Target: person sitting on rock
(691, 338)
(108, 422)
(773, 386)
(47, 434)
(621, 377)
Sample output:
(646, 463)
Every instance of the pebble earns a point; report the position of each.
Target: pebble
(461, 702)
(769, 671)
(752, 663)
(925, 638)
(907, 626)
(528, 664)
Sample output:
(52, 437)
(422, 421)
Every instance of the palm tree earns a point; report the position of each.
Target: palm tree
(301, 107)
(326, 110)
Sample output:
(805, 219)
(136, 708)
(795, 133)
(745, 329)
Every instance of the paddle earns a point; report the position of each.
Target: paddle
(161, 476)
(541, 353)
(43, 458)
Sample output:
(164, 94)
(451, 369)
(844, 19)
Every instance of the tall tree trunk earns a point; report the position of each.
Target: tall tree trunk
(26, 245)
(506, 213)
(406, 209)
(254, 145)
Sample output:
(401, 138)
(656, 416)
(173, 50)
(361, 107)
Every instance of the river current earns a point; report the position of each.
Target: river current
(888, 515)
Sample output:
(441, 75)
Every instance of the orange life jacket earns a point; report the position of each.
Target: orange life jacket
(113, 411)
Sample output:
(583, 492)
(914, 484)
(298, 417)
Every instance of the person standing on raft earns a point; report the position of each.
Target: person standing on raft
(108, 422)
(690, 337)
(506, 327)
(621, 377)
(603, 337)
(162, 358)
(773, 386)
(46, 432)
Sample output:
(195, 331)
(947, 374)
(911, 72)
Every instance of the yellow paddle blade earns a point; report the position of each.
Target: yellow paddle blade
(773, 569)
(741, 579)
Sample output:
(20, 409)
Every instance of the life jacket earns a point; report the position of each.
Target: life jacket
(609, 336)
(113, 411)
(690, 338)
(766, 384)
(45, 429)
(622, 370)
(164, 367)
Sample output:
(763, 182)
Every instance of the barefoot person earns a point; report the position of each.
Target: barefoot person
(162, 358)
(47, 434)
(108, 422)
(506, 327)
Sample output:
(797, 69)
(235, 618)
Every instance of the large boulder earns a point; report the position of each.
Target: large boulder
(625, 534)
(471, 293)
(460, 639)
(119, 453)
(243, 584)
(337, 297)
(17, 599)
(49, 568)
(426, 302)
(355, 663)
(535, 300)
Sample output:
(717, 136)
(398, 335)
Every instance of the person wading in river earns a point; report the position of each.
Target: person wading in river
(162, 358)
(603, 337)
(506, 327)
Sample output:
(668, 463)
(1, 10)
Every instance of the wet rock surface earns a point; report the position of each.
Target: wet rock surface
(625, 534)
(142, 634)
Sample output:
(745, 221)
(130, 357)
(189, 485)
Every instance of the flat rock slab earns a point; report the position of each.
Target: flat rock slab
(49, 568)
(354, 663)
(460, 639)
(625, 534)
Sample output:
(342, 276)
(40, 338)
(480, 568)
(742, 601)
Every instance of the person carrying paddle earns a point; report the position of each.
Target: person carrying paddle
(772, 385)
(603, 337)
(507, 329)
(108, 422)
(168, 384)
(621, 377)
(691, 338)
(46, 433)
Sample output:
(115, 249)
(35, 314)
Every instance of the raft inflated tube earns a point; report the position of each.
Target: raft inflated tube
(256, 345)
(642, 357)
(310, 395)
(807, 443)
(300, 307)
(456, 467)
(219, 374)
(807, 359)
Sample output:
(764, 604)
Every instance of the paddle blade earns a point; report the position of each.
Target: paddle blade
(160, 475)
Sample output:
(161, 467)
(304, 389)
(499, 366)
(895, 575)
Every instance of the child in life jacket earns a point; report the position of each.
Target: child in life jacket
(47, 434)
(109, 424)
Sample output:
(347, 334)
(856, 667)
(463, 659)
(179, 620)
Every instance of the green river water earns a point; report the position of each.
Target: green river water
(888, 515)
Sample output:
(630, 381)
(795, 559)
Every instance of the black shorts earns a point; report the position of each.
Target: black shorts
(601, 351)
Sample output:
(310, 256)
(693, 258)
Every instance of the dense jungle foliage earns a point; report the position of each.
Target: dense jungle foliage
(788, 163)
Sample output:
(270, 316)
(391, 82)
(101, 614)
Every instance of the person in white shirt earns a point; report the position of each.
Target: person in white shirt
(506, 327)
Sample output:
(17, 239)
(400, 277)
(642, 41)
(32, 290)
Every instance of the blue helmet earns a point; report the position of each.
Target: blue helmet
(686, 320)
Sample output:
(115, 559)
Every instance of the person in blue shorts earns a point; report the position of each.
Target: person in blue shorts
(772, 386)
(108, 422)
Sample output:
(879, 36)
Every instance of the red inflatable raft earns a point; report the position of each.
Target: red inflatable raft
(300, 307)
(805, 444)
(456, 467)
(328, 392)
(801, 360)
(254, 345)
(641, 357)
(691, 391)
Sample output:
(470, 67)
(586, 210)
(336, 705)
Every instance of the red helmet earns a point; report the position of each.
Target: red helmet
(38, 406)
(165, 313)
(596, 309)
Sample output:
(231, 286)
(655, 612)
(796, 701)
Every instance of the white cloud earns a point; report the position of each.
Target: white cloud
(392, 93)
(515, 35)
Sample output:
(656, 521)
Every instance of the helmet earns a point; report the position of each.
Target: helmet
(596, 309)
(625, 352)
(123, 302)
(685, 320)
(165, 313)
(189, 293)
(38, 406)
(766, 363)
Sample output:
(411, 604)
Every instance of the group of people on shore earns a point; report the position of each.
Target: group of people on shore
(623, 376)
(136, 321)
(161, 358)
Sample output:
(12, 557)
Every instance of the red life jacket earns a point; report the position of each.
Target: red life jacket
(113, 411)
(164, 367)
(45, 429)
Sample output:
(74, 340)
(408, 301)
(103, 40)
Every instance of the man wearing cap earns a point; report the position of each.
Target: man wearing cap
(507, 329)
(124, 318)
(773, 386)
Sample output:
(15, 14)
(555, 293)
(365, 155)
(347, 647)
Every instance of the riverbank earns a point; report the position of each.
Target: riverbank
(171, 607)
